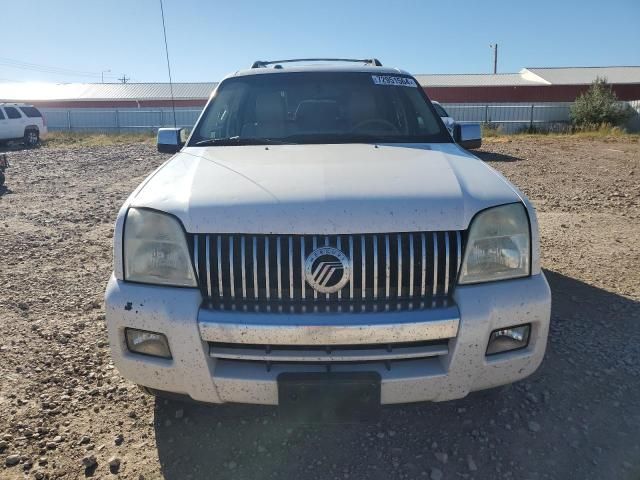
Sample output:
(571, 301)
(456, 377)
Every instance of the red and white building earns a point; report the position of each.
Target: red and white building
(533, 95)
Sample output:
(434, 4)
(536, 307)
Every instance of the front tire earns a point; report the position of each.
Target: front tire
(31, 138)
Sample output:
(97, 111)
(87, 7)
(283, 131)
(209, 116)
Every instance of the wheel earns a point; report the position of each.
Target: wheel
(1, 178)
(31, 137)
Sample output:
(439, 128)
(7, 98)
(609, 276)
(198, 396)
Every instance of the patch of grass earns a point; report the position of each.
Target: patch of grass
(593, 132)
(75, 139)
(491, 130)
(603, 130)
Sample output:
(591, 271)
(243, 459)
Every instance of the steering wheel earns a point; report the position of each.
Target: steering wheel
(376, 121)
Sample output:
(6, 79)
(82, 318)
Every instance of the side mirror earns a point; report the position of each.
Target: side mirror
(171, 140)
(467, 135)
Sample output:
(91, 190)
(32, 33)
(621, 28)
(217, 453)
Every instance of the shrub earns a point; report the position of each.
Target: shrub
(599, 105)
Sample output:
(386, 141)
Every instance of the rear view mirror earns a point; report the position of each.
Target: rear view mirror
(467, 135)
(171, 140)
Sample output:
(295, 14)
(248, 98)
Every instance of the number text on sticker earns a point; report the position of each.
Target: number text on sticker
(394, 81)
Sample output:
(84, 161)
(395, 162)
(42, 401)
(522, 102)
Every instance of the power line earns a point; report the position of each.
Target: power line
(11, 63)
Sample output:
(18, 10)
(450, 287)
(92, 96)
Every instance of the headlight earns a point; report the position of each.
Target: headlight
(155, 250)
(498, 246)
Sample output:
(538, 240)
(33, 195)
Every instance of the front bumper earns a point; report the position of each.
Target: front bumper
(477, 311)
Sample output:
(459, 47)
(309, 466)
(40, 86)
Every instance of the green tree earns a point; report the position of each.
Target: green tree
(599, 105)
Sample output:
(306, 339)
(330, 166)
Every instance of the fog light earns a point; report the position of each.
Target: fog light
(508, 339)
(147, 343)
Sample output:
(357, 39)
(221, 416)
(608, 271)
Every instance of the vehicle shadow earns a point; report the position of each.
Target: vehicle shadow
(4, 190)
(585, 390)
(13, 147)
(488, 156)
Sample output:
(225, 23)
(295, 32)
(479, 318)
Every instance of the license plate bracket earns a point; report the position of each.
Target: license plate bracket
(329, 397)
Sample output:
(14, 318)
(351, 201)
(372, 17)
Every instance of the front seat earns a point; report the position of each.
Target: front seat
(362, 108)
(270, 115)
(318, 116)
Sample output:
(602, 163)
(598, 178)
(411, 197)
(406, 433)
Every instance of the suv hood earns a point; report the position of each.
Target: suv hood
(324, 189)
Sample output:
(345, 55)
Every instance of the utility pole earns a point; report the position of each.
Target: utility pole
(102, 74)
(124, 78)
(495, 57)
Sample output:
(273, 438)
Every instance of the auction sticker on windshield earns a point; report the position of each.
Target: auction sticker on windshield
(395, 81)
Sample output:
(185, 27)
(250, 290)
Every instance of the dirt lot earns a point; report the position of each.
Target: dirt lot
(61, 400)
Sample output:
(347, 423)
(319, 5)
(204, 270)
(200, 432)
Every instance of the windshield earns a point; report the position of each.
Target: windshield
(319, 107)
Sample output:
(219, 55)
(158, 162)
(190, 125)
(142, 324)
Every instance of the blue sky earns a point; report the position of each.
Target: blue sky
(74, 40)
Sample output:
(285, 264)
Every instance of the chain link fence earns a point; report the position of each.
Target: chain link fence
(508, 118)
(106, 120)
(512, 118)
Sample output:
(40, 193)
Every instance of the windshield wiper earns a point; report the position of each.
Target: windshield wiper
(237, 140)
(337, 138)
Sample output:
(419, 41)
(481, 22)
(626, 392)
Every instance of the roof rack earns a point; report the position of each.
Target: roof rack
(367, 61)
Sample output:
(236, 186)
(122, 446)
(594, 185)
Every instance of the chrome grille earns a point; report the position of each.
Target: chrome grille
(329, 354)
(269, 269)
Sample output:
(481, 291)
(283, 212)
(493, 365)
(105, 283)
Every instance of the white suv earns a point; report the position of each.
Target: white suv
(322, 243)
(23, 122)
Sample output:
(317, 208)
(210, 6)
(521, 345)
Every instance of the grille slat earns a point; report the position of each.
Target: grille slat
(196, 256)
(315, 245)
(326, 244)
(446, 263)
(411, 265)
(290, 267)
(279, 267)
(303, 282)
(255, 268)
(459, 251)
(435, 264)
(399, 265)
(232, 280)
(271, 268)
(363, 247)
(328, 354)
(339, 247)
(244, 266)
(351, 283)
(423, 265)
(219, 257)
(208, 267)
(387, 256)
(375, 266)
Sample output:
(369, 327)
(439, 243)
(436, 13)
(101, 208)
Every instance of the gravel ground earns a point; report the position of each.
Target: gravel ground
(65, 412)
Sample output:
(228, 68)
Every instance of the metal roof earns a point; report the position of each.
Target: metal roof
(104, 91)
(475, 80)
(31, 92)
(534, 76)
(586, 75)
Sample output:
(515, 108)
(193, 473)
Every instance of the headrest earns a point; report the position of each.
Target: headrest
(317, 114)
(270, 108)
(362, 106)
